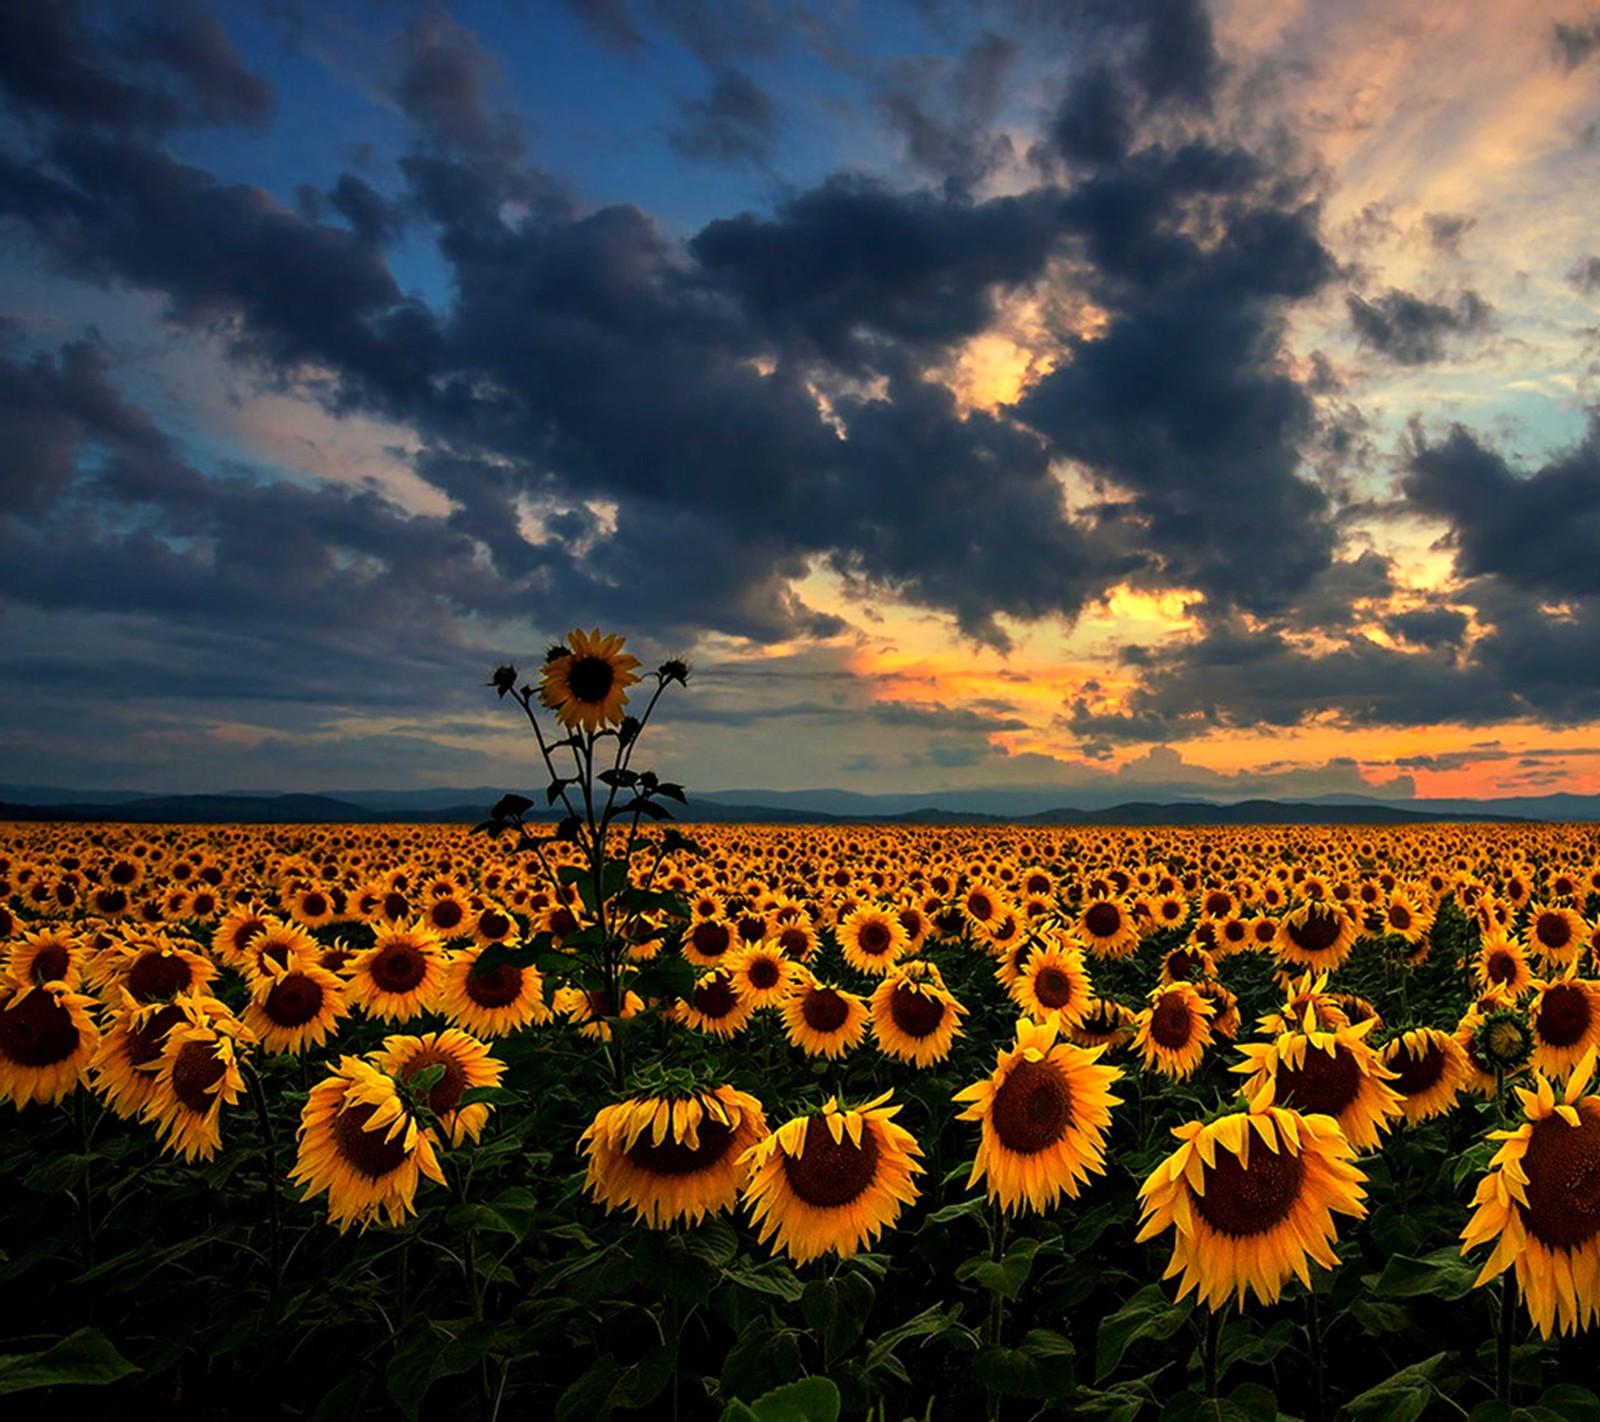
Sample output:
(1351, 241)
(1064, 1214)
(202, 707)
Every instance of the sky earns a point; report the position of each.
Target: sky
(1165, 395)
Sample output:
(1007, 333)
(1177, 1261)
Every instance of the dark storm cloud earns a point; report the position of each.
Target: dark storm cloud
(1412, 331)
(441, 89)
(1575, 43)
(1429, 627)
(849, 263)
(945, 118)
(736, 122)
(166, 65)
(1539, 532)
(1183, 400)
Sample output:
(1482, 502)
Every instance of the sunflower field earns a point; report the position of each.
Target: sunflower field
(597, 1116)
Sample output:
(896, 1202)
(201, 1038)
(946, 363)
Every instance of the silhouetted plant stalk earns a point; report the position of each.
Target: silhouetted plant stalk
(583, 684)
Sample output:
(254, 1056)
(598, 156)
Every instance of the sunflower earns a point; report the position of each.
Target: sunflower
(585, 682)
(295, 1007)
(1497, 1039)
(763, 974)
(872, 940)
(981, 908)
(1187, 964)
(1430, 1070)
(124, 1065)
(242, 923)
(715, 1006)
(1318, 934)
(1540, 1204)
(362, 1144)
(277, 947)
(1105, 1023)
(467, 1064)
(493, 924)
(588, 1008)
(679, 1156)
(48, 955)
(1054, 984)
(311, 906)
(1175, 1030)
(824, 1021)
(1556, 936)
(831, 1181)
(398, 977)
(1565, 1017)
(1226, 1020)
(1043, 1115)
(492, 1001)
(196, 1076)
(47, 1038)
(709, 941)
(155, 969)
(1250, 1198)
(1307, 993)
(1325, 1073)
(1502, 963)
(1106, 927)
(914, 1016)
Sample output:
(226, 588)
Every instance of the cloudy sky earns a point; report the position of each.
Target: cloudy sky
(1068, 392)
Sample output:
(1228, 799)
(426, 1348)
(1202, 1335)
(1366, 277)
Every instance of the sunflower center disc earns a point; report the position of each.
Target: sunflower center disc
(367, 1151)
(1103, 920)
(915, 1013)
(1502, 967)
(1320, 1083)
(715, 998)
(145, 1043)
(1184, 963)
(313, 905)
(1416, 1073)
(1052, 987)
(447, 913)
(157, 976)
(445, 1094)
(824, 1010)
(50, 964)
(395, 906)
(194, 1073)
(873, 940)
(294, 1001)
(1399, 918)
(37, 1032)
(1172, 1023)
(711, 939)
(1242, 1202)
(1218, 905)
(1563, 1169)
(399, 968)
(1553, 930)
(493, 925)
(793, 941)
(590, 678)
(1564, 1015)
(832, 1173)
(763, 973)
(1033, 1107)
(495, 987)
(675, 1158)
(1317, 934)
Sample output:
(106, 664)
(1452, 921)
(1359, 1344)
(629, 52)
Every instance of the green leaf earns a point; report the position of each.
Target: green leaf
(1003, 1276)
(663, 1264)
(672, 792)
(1576, 1404)
(1401, 1398)
(774, 1278)
(665, 976)
(624, 778)
(1041, 1367)
(674, 841)
(974, 1209)
(508, 807)
(86, 1356)
(809, 1400)
(1441, 1275)
(1148, 1314)
(605, 1386)
(1250, 1403)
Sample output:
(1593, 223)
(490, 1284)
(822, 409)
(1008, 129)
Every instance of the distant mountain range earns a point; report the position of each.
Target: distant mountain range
(999, 806)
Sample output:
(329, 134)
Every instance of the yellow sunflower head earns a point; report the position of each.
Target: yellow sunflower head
(1540, 1204)
(1043, 1115)
(914, 1016)
(1250, 1199)
(462, 1063)
(673, 1156)
(1429, 1069)
(47, 1037)
(585, 681)
(1174, 1030)
(1325, 1073)
(831, 1181)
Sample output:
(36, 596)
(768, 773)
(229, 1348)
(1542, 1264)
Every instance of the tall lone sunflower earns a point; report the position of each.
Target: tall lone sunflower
(1250, 1198)
(833, 1180)
(1043, 1115)
(586, 681)
(672, 1157)
(1540, 1204)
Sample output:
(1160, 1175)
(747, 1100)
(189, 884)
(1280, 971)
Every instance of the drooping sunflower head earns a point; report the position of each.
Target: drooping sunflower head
(672, 1156)
(196, 1076)
(1251, 1198)
(586, 680)
(1043, 1114)
(1105, 1023)
(831, 1181)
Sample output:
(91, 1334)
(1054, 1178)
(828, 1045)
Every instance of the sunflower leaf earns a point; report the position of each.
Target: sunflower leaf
(86, 1356)
(1041, 1367)
(809, 1400)
(1401, 1398)
(1442, 1275)
(1148, 1314)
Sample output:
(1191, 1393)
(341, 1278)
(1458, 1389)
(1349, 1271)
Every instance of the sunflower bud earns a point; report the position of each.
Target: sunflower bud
(628, 731)
(503, 680)
(1502, 1042)
(674, 669)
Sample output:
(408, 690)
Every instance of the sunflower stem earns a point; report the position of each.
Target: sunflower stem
(1319, 1404)
(81, 1116)
(1503, 1337)
(269, 1155)
(1208, 1354)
